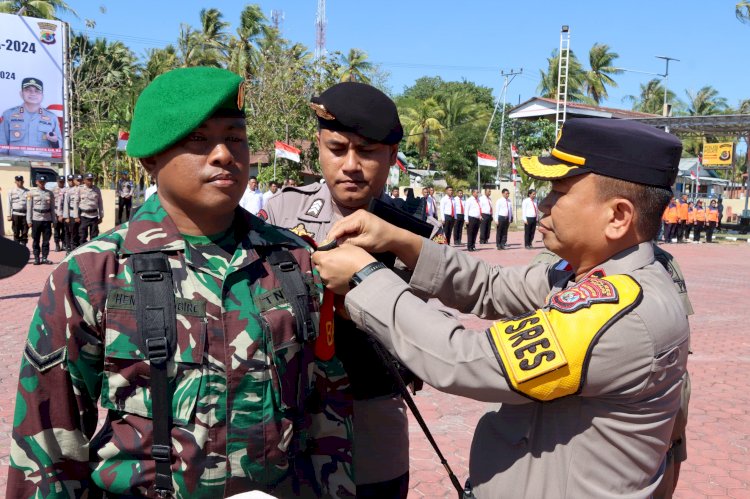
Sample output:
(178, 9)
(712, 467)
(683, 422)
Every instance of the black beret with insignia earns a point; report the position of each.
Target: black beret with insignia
(359, 108)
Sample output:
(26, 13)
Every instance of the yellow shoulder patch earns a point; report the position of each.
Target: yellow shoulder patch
(545, 354)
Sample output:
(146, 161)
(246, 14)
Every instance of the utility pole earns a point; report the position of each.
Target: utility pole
(509, 76)
(665, 110)
(563, 63)
(320, 30)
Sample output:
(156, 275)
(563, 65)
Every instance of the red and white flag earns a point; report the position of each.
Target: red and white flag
(400, 165)
(486, 160)
(513, 156)
(286, 151)
(122, 140)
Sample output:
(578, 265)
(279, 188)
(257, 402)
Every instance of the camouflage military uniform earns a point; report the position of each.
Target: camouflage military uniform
(234, 374)
(381, 425)
(17, 212)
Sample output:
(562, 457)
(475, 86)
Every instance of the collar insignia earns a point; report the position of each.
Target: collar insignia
(241, 96)
(315, 208)
(321, 111)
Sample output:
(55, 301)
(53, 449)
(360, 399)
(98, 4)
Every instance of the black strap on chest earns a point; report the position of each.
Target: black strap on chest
(155, 312)
(287, 271)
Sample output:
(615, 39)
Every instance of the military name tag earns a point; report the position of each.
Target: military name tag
(118, 299)
(528, 346)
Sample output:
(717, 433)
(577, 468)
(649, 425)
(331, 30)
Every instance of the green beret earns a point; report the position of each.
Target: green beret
(359, 108)
(177, 102)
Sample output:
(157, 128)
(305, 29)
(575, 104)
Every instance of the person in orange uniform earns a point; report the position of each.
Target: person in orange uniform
(682, 216)
(699, 213)
(712, 220)
(690, 222)
(670, 218)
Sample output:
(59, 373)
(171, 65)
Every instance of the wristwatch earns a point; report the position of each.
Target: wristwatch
(368, 269)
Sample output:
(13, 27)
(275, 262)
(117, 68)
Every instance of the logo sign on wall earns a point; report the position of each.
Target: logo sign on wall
(31, 88)
(717, 154)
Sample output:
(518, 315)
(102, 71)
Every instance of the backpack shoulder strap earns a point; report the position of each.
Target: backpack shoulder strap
(287, 271)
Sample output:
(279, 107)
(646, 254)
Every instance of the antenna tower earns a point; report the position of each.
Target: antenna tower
(277, 19)
(320, 30)
(562, 78)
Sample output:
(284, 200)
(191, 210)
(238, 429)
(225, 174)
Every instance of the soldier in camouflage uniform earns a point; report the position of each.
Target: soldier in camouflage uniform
(58, 225)
(251, 407)
(17, 211)
(89, 209)
(40, 212)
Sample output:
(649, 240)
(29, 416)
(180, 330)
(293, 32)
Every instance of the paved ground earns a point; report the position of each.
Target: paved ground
(719, 425)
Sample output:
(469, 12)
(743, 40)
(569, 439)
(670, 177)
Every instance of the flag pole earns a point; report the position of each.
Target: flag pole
(274, 165)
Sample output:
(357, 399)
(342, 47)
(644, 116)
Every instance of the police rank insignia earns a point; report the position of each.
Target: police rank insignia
(314, 210)
(584, 294)
(321, 111)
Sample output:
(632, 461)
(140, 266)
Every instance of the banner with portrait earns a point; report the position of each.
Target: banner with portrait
(31, 88)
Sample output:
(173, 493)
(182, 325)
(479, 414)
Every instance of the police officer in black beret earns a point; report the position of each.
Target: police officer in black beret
(358, 135)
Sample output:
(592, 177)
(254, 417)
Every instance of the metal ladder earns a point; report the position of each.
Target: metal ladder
(562, 79)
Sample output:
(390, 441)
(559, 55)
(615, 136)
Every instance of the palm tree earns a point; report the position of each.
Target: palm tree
(601, 61)
(744, 107)
(159, 61)
(742, 11)
(45, 9)
(420, 119)
(651, 98)
(576, 78)
(355, 66)
(460, 107)
(242, 52)
(213, 37)
(705, 102)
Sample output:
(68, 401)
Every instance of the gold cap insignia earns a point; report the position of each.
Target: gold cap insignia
(321, 111)
(241, 96)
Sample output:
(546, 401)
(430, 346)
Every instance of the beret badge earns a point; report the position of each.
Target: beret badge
(321, 111)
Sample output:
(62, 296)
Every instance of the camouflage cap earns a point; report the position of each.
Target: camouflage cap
(177, 102)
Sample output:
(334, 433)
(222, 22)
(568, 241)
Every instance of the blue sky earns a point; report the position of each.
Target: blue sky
(475, 39)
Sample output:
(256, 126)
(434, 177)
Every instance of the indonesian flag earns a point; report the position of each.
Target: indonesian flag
(486, 160)
(286, 151)
(400, 165)
(513, 156)
(122, 140)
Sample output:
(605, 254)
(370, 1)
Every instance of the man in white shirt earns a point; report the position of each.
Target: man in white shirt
(394, 193)
(474, 214)
(485, 204)
(530, 212)
(448, 212)
(273, 188)
(150, 191)
(503, 218)
(252, 200)
(429, 203)
(458, 227)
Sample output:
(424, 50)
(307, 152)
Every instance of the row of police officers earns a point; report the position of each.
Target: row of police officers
(72, 213)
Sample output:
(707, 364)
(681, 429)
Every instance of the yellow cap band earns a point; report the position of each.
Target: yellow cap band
(576, 160)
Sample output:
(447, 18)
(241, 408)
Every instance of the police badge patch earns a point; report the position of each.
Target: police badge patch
(584, 294)
(301, 231)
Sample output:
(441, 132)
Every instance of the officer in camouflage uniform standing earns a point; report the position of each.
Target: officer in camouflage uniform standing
(212, 387)
(89, 210)
(58, 225)
(40, 213)
(17, 211)
(70, 200)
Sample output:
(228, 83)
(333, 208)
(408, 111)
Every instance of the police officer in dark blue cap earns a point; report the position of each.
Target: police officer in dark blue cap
(30, 129)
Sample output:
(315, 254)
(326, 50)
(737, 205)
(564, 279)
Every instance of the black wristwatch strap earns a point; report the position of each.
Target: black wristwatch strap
(368, 269)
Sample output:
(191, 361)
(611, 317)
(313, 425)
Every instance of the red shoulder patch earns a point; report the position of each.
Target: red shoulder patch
(584, 294)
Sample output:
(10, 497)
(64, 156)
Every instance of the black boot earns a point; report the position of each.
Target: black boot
(36, 260)
(57, 246)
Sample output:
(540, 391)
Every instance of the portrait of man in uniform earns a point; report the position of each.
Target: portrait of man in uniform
(30, 129)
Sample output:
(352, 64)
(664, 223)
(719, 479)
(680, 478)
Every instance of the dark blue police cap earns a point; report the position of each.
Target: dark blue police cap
(19, 177)
(621, 149)
(363, 109)
(89, 176)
